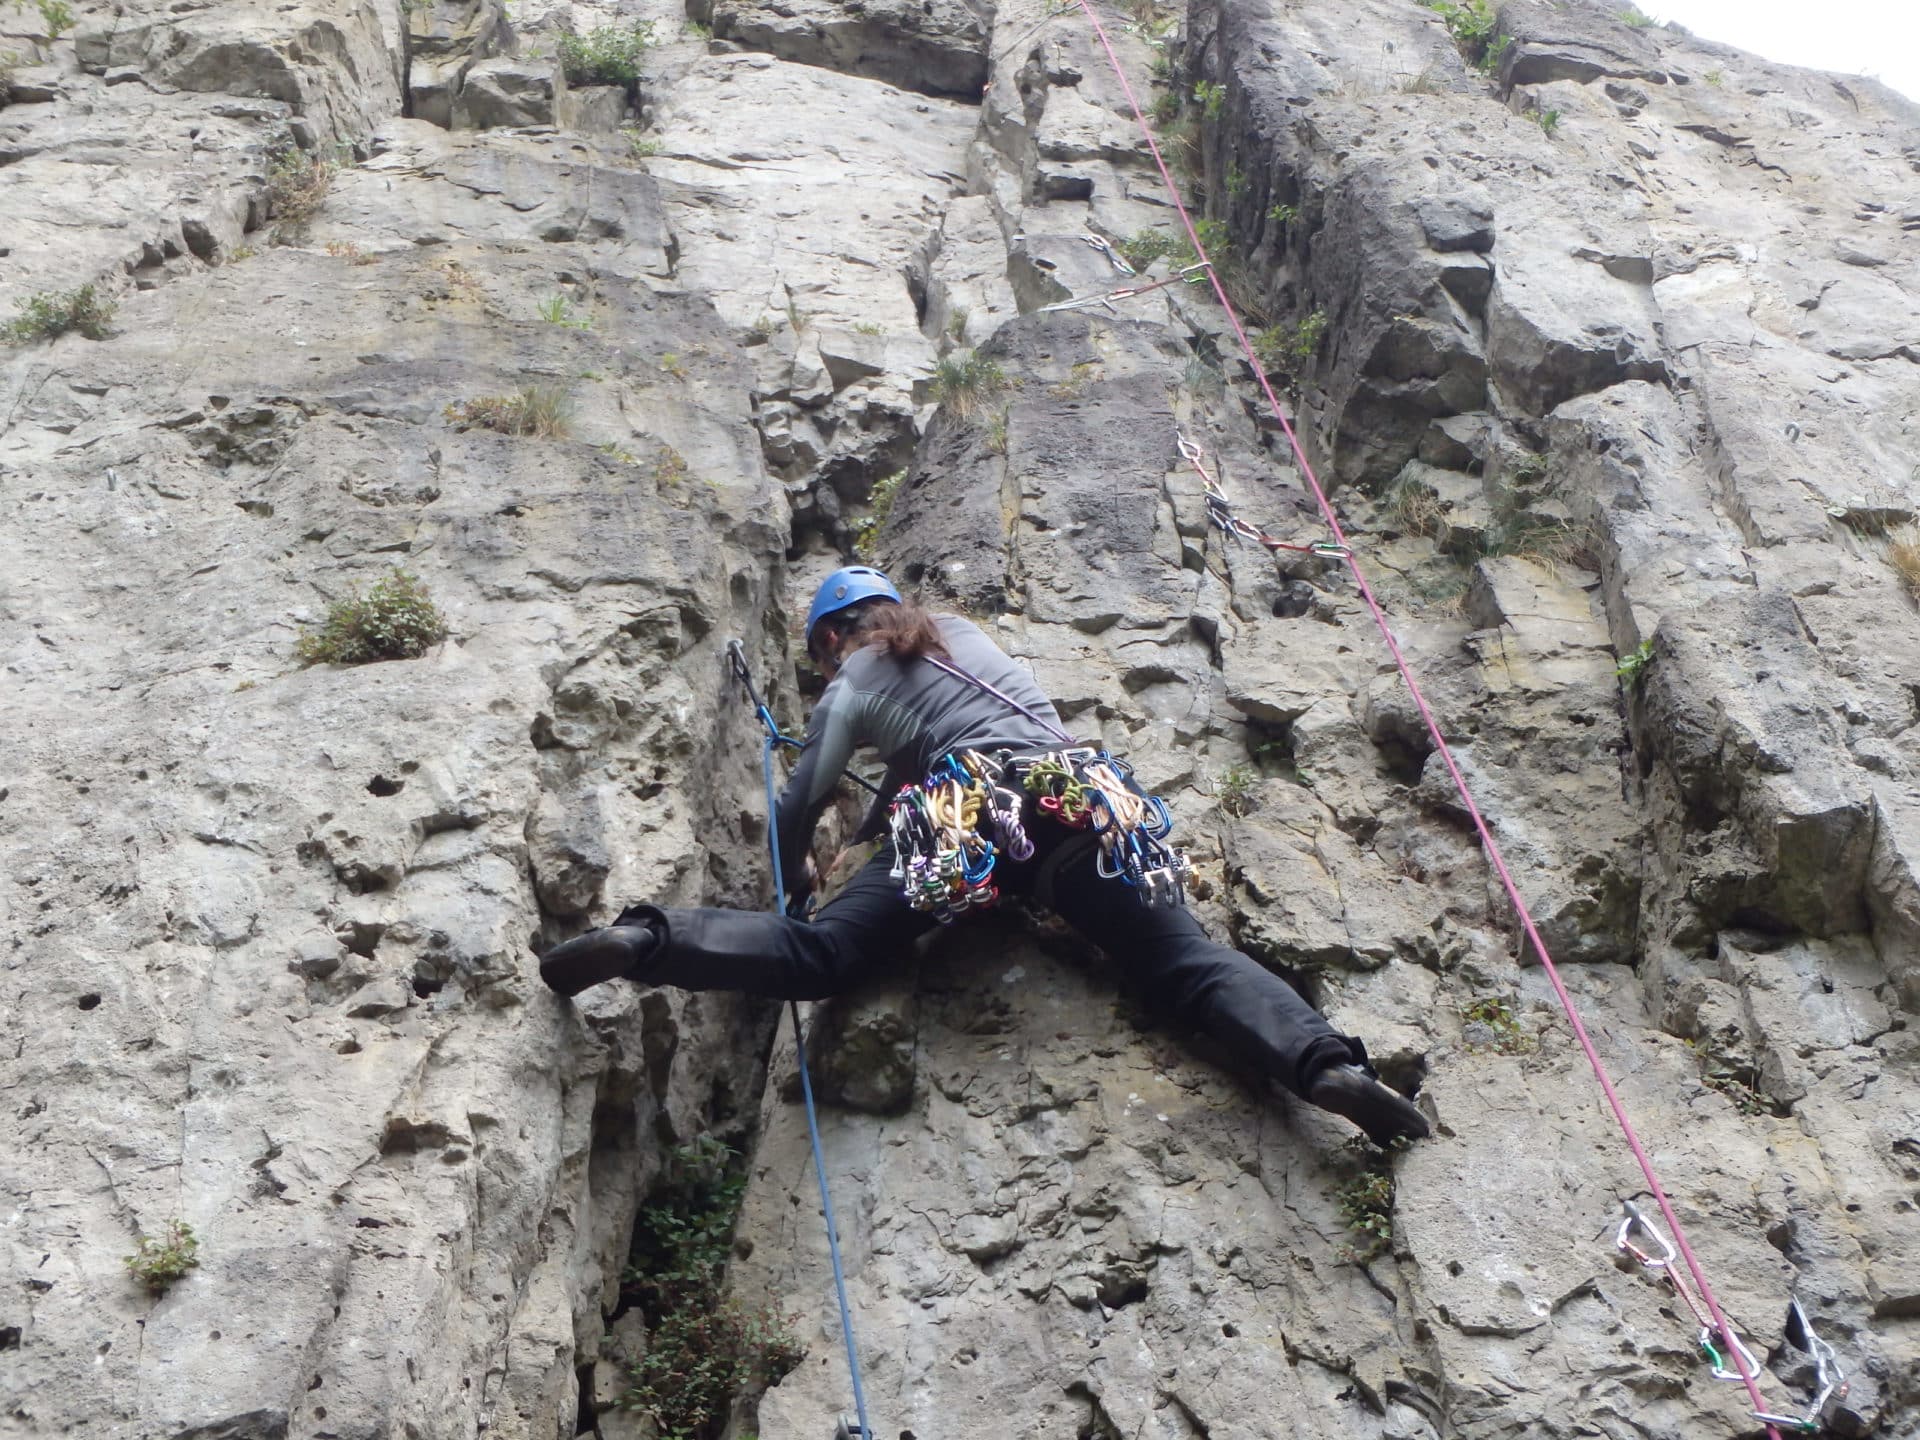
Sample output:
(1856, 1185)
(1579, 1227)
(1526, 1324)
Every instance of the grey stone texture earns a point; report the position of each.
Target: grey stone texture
(1634, 392)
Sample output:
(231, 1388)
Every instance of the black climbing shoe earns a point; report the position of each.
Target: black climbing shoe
(1385, 1114)
(598, 955)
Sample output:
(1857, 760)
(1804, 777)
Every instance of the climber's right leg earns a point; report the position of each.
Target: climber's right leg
(1263, 1023)
(865, 926)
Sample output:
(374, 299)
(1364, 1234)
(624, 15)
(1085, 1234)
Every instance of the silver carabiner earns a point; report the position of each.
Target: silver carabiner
(1636, 1220)
(1101, 243)
(1718, 1368)
(1829, 1379)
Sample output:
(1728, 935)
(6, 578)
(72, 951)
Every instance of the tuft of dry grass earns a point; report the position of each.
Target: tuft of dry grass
(539, 410)
(1417, 509)
(966, 383)
(1903, 553)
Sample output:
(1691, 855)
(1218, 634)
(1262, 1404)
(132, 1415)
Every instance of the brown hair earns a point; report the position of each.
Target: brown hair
(903, 630)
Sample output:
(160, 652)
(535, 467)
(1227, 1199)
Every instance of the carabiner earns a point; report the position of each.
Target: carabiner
(1718, 1365)
(1100, 243)
(1164, 817)
(1636, 1220)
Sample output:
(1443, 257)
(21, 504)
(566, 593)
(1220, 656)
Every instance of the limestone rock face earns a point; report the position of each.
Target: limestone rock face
(1607, 357)
(935, 46)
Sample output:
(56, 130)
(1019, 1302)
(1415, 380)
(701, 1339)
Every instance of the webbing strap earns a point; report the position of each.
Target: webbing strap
(1441, 748)
(961, 672)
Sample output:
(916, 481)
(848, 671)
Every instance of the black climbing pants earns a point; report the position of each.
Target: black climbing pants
(1263, 1025)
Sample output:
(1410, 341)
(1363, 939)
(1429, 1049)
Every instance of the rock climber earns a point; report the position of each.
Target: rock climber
(932, 693)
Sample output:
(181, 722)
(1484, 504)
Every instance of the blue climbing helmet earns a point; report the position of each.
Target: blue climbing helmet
(844, 587)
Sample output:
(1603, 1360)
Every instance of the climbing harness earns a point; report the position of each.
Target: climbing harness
(1114, 257)
(1129, 292)
(1220, 509)
(1083, 787)
(1747, 1372)
(737, 659)
(1830, 1381)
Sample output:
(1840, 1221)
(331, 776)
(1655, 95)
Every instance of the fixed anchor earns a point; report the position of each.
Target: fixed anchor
(849, 1429)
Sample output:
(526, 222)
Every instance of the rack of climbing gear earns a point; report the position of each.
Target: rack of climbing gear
(1830, 1381)
(1128, 292)
(1084, 788)
(859, 1428)
(945, 831)
(1220, 509)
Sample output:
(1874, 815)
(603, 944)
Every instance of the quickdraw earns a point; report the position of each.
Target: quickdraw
(1220, 511)
(1830, 1381)
(943, 859)
(1089, 789)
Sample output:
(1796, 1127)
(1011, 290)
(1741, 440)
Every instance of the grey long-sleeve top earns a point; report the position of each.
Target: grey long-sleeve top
(912, 713)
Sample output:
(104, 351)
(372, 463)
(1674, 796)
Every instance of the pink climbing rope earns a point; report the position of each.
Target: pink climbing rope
(1440, 744)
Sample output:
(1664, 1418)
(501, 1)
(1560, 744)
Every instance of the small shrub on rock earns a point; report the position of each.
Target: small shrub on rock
(1472, 24)
(1366, 1204)
(157, 1262)
(669, 468)
(395, 620)
(1236, 789)
(1492, 1025)
(1144, 247)
(51, 313)
(702, 1349)
(1632, 668)
(607, 56)
(297, 182)
(56, 15)
(866, 533)
(540, 410)
(1289, 349)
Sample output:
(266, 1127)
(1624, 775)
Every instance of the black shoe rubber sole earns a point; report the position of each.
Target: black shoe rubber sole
(1384, 1113)
(592, 959)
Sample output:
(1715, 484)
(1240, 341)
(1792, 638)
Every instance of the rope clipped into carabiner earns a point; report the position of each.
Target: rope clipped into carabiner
(1830, 1381)
(1220, 509)
(737, 658)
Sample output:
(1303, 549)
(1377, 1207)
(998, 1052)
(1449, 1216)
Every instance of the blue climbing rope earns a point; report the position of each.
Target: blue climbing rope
(774, 739)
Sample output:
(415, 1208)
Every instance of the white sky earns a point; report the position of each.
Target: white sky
(1858, 37)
